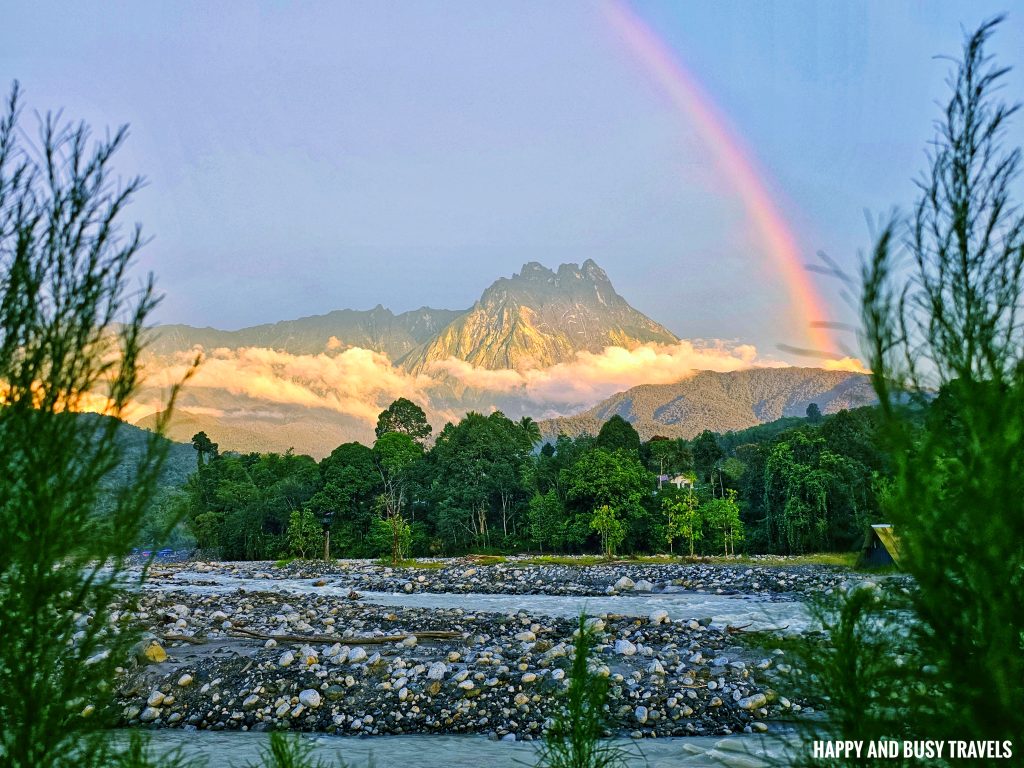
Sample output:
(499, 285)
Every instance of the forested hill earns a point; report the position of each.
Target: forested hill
(721, 402)
(180, 463)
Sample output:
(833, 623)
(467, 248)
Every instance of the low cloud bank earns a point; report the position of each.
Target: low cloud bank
(591, 377)
(359, 383)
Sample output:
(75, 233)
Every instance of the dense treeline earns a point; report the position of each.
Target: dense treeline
(800, 485)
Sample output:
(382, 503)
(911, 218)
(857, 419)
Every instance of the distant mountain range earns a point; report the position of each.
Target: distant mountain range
(534, 319)
(378, 329)
(721, 402)
(315, 382)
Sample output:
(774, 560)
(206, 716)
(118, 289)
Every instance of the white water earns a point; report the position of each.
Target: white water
(735, 610)
(235, 750)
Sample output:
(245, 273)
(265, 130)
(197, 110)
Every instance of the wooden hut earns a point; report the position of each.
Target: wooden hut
(881, 546)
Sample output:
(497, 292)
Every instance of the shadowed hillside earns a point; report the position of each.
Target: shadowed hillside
(721, 402)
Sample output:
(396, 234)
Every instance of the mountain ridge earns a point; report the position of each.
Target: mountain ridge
(720, 401)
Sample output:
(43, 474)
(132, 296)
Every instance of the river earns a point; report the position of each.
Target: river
(724, 610)
(233, 749)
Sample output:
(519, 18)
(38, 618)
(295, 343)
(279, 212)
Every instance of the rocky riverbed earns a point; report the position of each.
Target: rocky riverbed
(516, 576)
(224, 657)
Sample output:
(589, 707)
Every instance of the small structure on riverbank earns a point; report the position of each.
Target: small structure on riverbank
(881, 546)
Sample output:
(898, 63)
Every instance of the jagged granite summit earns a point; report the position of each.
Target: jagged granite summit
(541, 317)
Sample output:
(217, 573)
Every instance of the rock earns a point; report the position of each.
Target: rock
(643, 586)
(437, 671)
(185, 680)
(309, 698)
(529, 677)
(156, 698)
(526, 637)
(286, 660)
(641, 714)
(624, 647)
(335, 693)
(149, 714)
(356, 655)
(251, 701)
(624, 583)
(659, 616)
(154, 653)
(752, 702)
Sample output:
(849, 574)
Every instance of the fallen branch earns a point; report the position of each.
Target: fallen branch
(172, 638)
(736, 630)
(367, 640)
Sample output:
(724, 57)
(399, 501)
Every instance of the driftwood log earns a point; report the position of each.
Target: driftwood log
(366, 640)
(173, 638)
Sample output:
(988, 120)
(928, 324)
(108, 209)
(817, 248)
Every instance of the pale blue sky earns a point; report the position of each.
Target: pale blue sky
(310, 156)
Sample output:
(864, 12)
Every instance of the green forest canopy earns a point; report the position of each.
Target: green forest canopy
(798, 485)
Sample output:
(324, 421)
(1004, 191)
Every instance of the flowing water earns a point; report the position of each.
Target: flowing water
(735, 610)
(238, 750)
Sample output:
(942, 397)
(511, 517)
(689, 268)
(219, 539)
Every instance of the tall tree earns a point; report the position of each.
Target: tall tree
(394, 453)
(813, 413)
(205, 447)
(601, 478)
(406, 418)
(706, 454)
(618, 434)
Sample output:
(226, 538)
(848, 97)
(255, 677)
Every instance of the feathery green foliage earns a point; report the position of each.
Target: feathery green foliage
(291, 751)
(70, 336)
(946, 320)
(574, 738)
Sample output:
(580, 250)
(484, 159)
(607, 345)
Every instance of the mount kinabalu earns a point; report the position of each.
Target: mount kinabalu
(538, 318)
(534, 319)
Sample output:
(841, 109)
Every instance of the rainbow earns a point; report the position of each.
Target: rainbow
(738, 164)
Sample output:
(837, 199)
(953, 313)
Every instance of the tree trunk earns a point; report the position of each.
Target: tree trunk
(327, 544)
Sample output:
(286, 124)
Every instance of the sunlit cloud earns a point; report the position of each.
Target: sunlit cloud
(258, 383)
(356, 382)
(851, 364)
(591, 377)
